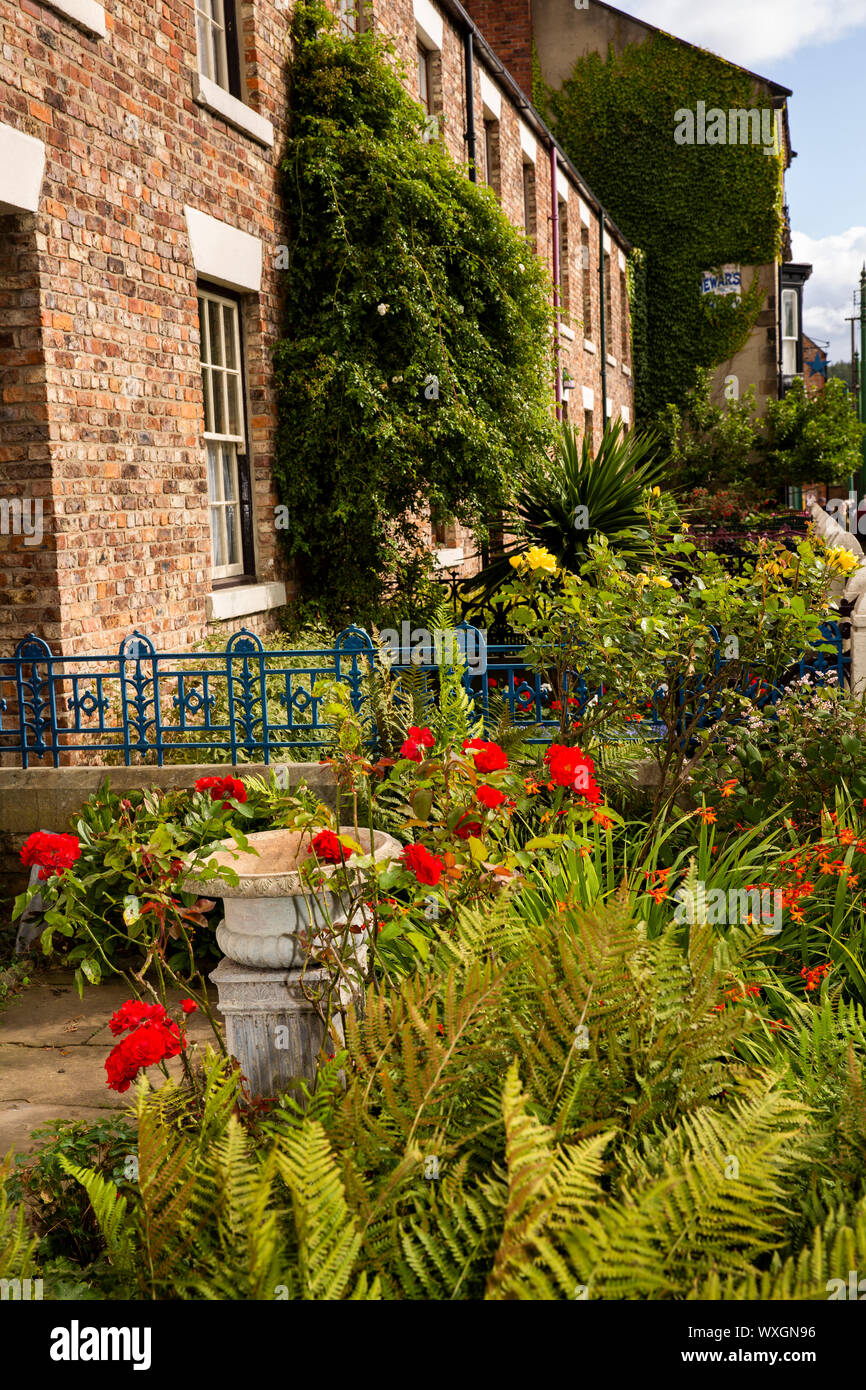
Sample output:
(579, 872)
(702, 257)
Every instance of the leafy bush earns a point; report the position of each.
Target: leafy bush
(57, 1210)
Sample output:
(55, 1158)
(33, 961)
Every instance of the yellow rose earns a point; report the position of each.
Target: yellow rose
(537, 558)
(842, 561)
(660, 581)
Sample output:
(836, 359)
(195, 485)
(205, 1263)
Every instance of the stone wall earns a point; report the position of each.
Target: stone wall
(48, 798)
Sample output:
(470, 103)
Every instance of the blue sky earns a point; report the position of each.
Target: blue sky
(818, 48)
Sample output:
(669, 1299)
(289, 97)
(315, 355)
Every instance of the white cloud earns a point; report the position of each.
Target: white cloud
(836, 262)
(754, 34)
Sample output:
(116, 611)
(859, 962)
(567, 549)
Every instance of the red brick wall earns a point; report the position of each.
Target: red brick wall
(507, 27)
(101, 391)
(127, 148)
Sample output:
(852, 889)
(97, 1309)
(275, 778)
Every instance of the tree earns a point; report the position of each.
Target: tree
(812, 437)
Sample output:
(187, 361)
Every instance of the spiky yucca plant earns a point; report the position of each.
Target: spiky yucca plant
(563, 501)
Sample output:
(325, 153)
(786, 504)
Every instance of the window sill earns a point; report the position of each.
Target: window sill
(446, 558)
(611, 361)
(85, 13)
(237, 113)
(243, 599)
(626, 368)
(567, 332)
(588, 346)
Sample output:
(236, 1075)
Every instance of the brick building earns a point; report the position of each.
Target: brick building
(555, 35)
(139, 297)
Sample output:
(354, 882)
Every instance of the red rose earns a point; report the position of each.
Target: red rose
(189, 1006)
(569, 767)
(464, 828)
(153, 1038)
(489, 757)
(424, 865)
(328, 847)
(134, 1012)
(416, 740)
(491, 797)
(222, 787)
(55, 853)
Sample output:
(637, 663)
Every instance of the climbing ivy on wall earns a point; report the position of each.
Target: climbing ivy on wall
(691, 208)
(414, 369)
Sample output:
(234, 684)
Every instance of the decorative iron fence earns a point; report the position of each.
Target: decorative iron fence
(248, 702)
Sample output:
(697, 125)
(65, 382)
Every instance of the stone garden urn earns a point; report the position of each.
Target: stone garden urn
(274, 925)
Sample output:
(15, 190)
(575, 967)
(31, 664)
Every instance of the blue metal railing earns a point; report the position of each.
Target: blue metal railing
(248, 702)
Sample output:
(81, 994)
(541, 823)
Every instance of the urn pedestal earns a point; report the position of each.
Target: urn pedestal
(274, 928)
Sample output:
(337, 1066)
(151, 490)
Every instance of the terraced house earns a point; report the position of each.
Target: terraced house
(140, 238)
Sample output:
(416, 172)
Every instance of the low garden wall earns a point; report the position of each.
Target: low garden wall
(45, 798)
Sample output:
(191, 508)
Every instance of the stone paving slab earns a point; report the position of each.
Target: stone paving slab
(53, 1047)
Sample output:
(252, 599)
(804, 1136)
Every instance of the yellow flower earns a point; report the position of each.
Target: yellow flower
(660, 581)
(842, 561)
(536, 558)
(657, 492)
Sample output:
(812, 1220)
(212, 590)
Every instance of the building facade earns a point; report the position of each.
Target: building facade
(140, 271)
(557, 33)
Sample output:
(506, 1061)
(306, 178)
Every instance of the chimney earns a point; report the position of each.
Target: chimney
(507, 27)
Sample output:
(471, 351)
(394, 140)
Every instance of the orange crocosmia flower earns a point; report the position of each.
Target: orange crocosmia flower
(659, 894)
(707, 815)
(846, 837)
(585, 851)
(727, 788)
(853, 880)
(601, 819)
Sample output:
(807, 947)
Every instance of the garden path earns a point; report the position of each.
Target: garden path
(53, 1046)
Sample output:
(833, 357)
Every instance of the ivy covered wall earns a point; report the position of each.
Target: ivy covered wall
(690, 208)
(415, 363)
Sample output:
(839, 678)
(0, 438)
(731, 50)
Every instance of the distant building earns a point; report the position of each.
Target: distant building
(556, 34)
(814, 365)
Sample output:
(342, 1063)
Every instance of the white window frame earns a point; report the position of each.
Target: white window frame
(352, 19)
(425, 86)
(225, 445)
(790, 297)
(210, 30)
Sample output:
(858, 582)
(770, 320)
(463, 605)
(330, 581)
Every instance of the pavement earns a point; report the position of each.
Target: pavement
(53, 1047)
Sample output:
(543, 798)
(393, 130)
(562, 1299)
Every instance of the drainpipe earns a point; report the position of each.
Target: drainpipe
(554, 221)
(469, 53)
(601, 317)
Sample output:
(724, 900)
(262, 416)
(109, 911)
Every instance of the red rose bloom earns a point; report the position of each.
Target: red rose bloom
(489, 757)
(426, 867)
(328, 847)
(491, 797)
(220, 787)
(134, 1012)
(55, 853)
(189, 1006)
(416, 741)
(569, 767)
(153, 1037)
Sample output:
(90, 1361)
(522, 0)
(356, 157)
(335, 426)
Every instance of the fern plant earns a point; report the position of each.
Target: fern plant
(556, 1107)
